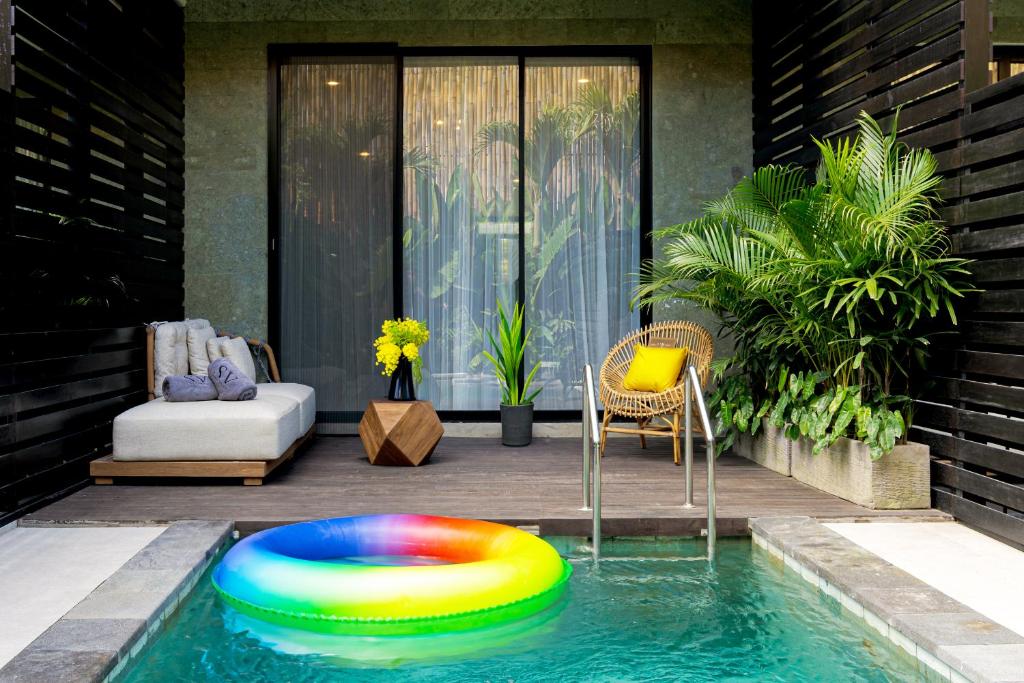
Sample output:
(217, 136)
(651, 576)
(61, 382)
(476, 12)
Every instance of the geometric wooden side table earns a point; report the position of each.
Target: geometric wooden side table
(400, 432)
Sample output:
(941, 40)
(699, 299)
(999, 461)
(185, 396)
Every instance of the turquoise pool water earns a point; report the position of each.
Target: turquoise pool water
(649, 618)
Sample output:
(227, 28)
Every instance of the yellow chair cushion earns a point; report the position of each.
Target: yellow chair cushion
(654, 369)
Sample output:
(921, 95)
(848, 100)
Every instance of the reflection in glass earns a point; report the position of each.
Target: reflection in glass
(583, 215)
(461, 231)
(461, 225)
(336, 213)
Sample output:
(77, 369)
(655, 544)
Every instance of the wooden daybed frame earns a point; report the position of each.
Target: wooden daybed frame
(252, 472)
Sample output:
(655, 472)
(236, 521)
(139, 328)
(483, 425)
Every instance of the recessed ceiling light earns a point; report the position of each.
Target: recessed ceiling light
(583, 80)
(332, 83)
(439, 122)
(364, 154)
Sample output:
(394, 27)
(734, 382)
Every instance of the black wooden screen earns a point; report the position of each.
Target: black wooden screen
(92, 238)
(816, 65)
(974, 417)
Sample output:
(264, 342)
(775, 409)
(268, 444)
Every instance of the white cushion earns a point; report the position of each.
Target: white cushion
(237, 351)
(213, 347)
(198, 358)
(170, 350)
(300, 393)
(261, 429)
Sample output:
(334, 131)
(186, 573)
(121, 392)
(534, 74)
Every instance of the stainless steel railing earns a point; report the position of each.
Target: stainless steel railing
(694, 389)
(592, 456)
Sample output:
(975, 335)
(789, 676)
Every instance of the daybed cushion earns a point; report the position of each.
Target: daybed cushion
(303, 395)
(237, 351)
(170, 350)
(213, 347)
(261, 429)
(198, 358)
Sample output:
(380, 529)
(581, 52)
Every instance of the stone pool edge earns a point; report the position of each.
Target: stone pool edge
(98, 637)
(954, 641)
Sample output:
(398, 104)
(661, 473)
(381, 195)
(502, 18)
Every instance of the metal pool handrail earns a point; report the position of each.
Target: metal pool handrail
(592, 456)
(694, 389)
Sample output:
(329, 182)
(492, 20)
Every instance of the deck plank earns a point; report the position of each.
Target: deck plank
(472, 477)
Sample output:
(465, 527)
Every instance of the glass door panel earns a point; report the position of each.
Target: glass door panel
(583, 211)
(461, 216)
(462, 233)
(336, 209)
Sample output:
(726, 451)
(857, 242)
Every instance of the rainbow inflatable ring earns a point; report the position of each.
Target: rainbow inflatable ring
(291, 575)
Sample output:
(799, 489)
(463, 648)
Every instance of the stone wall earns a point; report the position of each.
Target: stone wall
(701, 108)
(1007, 21)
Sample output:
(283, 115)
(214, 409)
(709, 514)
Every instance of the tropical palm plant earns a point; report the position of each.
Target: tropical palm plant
(826, 287)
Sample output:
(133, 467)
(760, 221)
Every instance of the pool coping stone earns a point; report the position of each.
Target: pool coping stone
(956, 642)
(96, 639)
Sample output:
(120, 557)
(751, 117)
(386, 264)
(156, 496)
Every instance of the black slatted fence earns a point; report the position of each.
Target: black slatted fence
(93, 232)
(816, 66)
(974, 417)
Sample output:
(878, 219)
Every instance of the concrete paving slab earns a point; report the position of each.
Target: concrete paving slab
(968, 566)
(996, 663)
(99, 636)
(935, 629)
(56, 666)
(892, 601)
(953, 640)
(123, 603)
(91, 635)
(47, 571)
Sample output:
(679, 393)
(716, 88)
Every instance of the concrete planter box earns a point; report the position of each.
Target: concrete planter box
(770, 448)
(899, 480)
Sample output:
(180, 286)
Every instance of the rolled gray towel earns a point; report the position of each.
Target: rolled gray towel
(189, 388)
(231, 383)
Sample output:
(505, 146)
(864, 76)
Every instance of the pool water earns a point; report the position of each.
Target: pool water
(644, 614)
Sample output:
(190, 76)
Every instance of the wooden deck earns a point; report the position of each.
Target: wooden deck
(468, 477)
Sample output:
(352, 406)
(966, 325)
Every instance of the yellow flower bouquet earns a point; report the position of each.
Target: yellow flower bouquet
(399, 345)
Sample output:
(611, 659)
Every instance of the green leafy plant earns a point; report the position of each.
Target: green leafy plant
(807, 405)
(507, 357)
(829, 289)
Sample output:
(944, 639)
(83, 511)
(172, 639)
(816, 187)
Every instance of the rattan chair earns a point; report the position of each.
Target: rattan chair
(656, 413)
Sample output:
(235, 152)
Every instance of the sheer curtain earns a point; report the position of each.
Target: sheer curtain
(461, 231)
(582, 229)
(461, 224)
(336, 214)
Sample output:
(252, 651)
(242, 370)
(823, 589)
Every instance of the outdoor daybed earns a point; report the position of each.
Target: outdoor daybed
(240, 439)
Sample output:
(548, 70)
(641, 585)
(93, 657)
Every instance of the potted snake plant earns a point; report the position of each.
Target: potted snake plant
(507, 358)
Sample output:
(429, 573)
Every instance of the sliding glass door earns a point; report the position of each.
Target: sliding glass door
(582, 235)
(460, 247)
(580, 231)
(335, 207)
(521, 180)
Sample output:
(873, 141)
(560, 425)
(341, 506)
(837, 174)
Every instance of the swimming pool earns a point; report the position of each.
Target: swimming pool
(642, 614)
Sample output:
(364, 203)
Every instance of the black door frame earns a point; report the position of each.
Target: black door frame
(279, 53)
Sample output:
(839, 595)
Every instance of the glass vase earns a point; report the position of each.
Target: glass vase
(402, 386)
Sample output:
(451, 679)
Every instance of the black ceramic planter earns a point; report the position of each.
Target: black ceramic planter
(516, 425)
